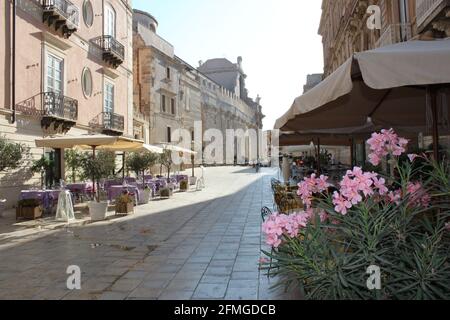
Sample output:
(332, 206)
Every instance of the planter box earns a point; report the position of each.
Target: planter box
(28, 213)
(166, 192)
(192, 181)
(125, 208)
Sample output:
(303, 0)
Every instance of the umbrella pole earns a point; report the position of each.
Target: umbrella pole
(432, 97)
(318, 156)
(123, 165)
(93, 178)
(352, 152)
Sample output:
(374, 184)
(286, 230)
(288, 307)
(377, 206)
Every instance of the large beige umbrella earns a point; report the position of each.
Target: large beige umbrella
(174, 148)
(99, 142)
(390, 86)
(94, 142)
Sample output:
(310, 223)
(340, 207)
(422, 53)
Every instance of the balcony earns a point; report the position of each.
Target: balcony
(112, 123)
(113, 50)
(395, 33)
(59, 111)
(427, 11)
(62, 15)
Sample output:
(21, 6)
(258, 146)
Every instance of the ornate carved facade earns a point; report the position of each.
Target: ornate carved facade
(344, 27)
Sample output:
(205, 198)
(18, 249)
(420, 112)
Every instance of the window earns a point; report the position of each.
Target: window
(110, 21)
(188, 99)
(88, 13)
(109, 98)
(168, 73)
(163, 103)
(172, 106)
(86, 82)
(169, 134)
(55, 76)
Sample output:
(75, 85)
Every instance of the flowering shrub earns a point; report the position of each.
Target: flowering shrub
(396, 223)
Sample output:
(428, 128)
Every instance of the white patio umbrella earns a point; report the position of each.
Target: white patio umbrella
(174, 148)
(94, 142)
(390, 86)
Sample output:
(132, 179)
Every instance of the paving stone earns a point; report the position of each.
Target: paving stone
(210, 291)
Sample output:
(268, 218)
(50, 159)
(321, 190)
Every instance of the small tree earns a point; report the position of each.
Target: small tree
(44, 166)
(95, 169)
(11, 154)
(73, 160)
(166, 161)
(139, 162)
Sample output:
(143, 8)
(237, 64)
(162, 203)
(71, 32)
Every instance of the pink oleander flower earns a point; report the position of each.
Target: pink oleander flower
(394, 196)
(384, 143)
(447, 226)
(341, 203)
(412, 157)
(309, 186)
(418, 195)
(279, 225)
(380, 185)
(263, 260)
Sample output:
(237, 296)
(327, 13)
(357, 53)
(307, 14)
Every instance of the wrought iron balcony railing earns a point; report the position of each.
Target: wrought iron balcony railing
(428, 10)
(60, 107)
(113, 122)
(62, 14)
(395, 33)
(113, 50)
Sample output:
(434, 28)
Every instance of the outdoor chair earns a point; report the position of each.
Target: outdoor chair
(265, 212)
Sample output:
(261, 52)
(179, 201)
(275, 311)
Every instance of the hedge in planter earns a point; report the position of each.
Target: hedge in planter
(184, 185)
(29, 209)
(401, 226)
(125, 204)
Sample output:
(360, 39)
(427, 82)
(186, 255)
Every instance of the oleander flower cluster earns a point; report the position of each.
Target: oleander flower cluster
(416, 195)
(356, 185)
(278, 226)
(310, 186)
(385, 143)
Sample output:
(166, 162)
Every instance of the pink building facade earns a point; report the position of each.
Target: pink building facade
(72, 75)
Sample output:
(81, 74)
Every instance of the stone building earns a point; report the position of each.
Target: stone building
(344, 28)
(170, 94)
(72, 75)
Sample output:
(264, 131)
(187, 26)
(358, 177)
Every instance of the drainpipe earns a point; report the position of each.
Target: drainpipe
(13, 80)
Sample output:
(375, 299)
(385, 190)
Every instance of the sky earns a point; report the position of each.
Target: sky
(277, 39)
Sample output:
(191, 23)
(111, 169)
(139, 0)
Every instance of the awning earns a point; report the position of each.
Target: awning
(100, 142)
(173, 148)
(385, 86)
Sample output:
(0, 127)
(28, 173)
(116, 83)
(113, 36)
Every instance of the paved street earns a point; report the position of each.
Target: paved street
(197, 245)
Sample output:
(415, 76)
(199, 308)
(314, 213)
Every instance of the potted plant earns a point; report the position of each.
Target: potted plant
(166, 161)
(184, 185)
(29, 209)
(95, 168)
(146, 195)
(44, 166)
(165, 193)
(125, 204)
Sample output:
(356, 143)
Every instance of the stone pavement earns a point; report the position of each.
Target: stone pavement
(196, 245)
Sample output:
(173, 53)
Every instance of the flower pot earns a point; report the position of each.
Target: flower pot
(192, 181)
(146, 195)
(184, 185)
(98, 210)
(124, 208)
(165, 193)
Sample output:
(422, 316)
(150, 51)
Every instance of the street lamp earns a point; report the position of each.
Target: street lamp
(193, 158)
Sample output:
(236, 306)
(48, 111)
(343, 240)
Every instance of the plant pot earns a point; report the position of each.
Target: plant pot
(184, 185)
(165, 193)
(98, 210)
(192, 181)
(28, 213)
(146, 195)
(124, 208)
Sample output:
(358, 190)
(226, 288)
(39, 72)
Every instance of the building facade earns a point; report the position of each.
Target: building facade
(171, 94)
(344, 29)
(72, 75)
